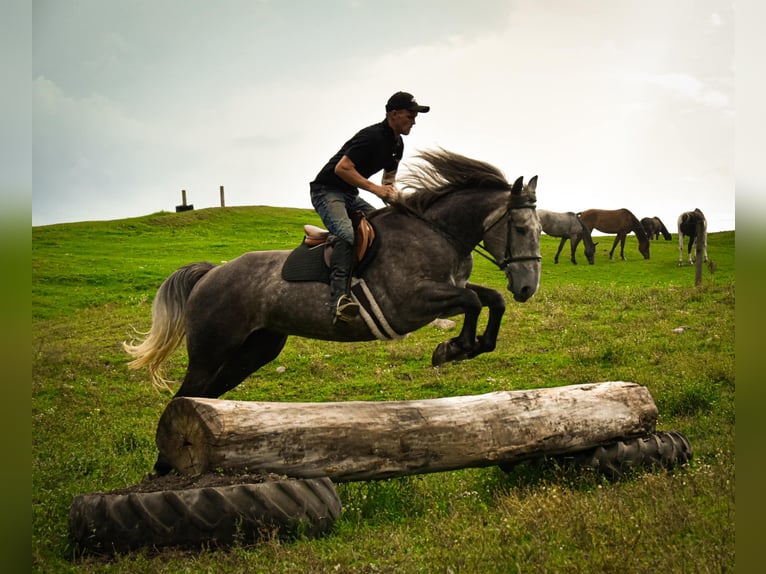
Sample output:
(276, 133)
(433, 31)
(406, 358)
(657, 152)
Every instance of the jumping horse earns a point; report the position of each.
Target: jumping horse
(619, 221)
(687, 225)
(568, 227)
(237, 316)
(654, 226)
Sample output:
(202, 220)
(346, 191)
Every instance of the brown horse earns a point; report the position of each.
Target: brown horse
(654, 226)
(619, 221)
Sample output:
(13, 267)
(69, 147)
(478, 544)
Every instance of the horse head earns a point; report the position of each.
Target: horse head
(521, 261)
(643, 238)
(589, 246)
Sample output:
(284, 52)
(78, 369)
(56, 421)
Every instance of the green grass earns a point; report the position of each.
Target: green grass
(94, 420)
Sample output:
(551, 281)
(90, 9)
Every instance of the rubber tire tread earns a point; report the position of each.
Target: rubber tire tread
(105, 523)
(666, 449)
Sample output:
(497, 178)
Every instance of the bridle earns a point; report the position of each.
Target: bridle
(508, 257)
(480, 249)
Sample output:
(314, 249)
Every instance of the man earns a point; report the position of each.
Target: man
(335, 190)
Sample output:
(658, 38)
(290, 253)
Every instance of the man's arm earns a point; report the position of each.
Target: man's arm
(346, 170)
(389, 177)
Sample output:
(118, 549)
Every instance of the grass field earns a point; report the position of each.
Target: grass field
(94, 420)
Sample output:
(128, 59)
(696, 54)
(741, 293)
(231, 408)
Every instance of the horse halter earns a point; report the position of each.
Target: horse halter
(508, 257)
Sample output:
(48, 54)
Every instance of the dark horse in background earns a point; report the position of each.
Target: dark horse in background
(619, 221)
(654, 226)
(568, 227)
(236, 317)
(687, 225)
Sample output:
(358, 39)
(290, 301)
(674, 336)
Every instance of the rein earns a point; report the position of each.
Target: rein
(480, 249)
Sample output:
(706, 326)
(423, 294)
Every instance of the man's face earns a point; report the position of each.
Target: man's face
(403, 120)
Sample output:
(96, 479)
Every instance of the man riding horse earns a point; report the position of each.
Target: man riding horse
(335, 190)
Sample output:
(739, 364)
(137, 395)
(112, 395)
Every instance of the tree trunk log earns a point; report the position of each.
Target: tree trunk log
(363, 440)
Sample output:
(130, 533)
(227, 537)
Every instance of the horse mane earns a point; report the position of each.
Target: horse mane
(445, 172)
(587, 238)
(638, 229)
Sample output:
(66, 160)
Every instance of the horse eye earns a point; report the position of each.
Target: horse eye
(521, 230)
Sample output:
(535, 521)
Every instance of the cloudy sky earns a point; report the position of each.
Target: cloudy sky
(612, 103)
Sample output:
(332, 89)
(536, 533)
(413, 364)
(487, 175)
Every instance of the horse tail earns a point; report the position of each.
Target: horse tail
(168, 322)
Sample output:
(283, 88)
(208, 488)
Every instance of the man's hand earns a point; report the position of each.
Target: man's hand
(388, 193)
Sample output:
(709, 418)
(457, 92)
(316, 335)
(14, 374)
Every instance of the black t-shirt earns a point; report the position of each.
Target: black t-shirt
(372, 149)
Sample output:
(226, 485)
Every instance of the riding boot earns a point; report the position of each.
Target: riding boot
(341, 263)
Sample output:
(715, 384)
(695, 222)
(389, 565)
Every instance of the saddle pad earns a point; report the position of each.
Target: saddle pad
(306, 264)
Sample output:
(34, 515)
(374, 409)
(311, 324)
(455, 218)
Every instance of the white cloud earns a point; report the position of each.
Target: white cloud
(608, 104)
(692, 88)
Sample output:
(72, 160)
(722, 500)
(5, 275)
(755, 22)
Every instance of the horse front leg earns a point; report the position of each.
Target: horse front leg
(452, 301)
(614, 246)
(574, 241)
(561, 247)
(495, 303)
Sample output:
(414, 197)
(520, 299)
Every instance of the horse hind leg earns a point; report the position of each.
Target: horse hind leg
(211, 378)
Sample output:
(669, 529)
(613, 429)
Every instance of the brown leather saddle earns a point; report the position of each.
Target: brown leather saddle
(364, 236)
(310, 261)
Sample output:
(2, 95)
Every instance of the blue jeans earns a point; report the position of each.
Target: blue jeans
(334, 208)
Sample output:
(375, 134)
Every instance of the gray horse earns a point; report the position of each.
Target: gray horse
(568, 227)
(236, 317)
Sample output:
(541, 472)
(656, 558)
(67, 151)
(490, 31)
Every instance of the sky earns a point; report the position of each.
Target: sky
(611, 103)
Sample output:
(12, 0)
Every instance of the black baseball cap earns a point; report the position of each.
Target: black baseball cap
(405, 101)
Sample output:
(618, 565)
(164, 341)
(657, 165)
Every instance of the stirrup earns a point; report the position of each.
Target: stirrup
(346, 309)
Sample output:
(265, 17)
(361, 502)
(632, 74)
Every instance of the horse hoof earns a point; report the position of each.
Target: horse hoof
(449, 351)
(439, 356)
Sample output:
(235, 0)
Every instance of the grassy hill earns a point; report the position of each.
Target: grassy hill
(94, 420)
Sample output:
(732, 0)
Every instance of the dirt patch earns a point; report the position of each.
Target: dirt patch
(174, 481)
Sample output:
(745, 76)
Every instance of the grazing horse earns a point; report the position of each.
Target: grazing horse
(568, 227)
(619, 221)
(236, 317)
(654, 226)
(687, 225)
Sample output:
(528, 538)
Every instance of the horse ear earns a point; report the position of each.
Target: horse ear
(517, 186)
(533, 184)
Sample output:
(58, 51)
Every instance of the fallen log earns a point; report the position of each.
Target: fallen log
(362, 440)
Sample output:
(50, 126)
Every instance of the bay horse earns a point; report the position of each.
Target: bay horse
(654, 226)
(619, 221)
(568, 227)
(236, 317)
(687, 225)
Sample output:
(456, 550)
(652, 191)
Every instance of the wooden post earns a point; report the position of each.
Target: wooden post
(363, 440)
(223, 203)
(183, 206)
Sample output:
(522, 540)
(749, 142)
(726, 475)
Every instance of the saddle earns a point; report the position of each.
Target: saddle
(310, 261)
(364, 236)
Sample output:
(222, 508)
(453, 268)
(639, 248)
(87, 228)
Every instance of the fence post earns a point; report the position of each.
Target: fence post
(183, 206)
(223, 203)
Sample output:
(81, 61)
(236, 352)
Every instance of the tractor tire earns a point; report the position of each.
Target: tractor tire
(658, 450)
(615, 460)
(121, 521)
